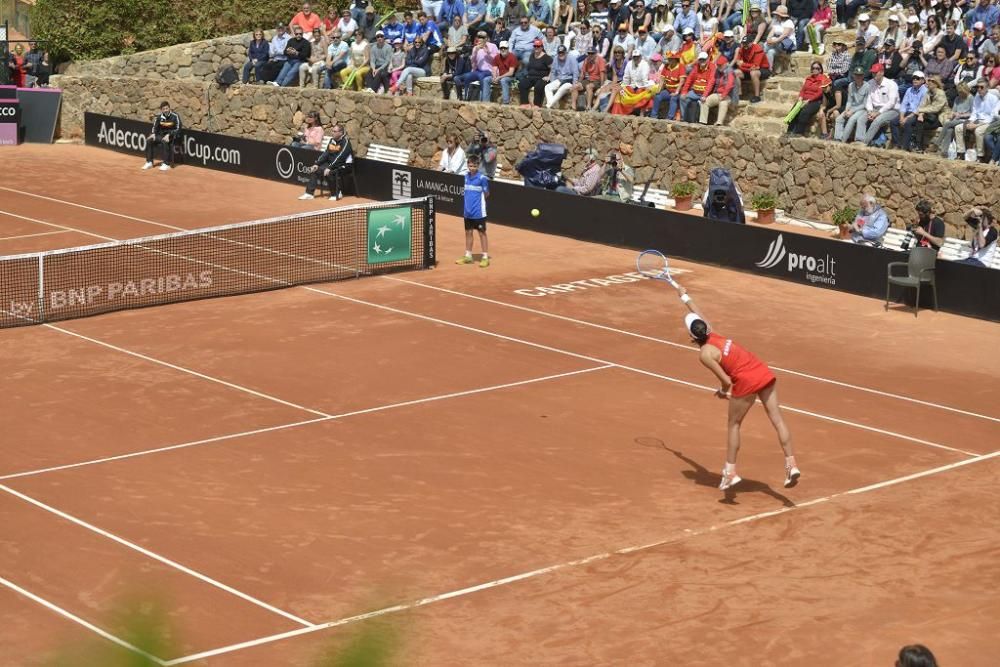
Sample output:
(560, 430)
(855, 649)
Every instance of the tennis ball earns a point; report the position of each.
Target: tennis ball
(535, 213)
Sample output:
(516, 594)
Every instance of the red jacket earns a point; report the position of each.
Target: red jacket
(700, 80)
(812, 88)
(725, 80)
(752, 58)
(672, 77)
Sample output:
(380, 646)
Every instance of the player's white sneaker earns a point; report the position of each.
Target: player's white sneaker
(729, 480)
(306, 196)
(148, 165)
(164, 167)
(792, 475)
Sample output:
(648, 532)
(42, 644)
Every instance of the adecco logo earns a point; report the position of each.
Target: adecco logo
(8, 110)
(112, 136)
(816, 269)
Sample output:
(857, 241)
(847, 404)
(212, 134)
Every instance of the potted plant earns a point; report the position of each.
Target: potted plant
(843, 218)
(764, 203)
(682, 194)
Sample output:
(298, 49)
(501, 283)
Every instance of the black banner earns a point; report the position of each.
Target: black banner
(847, 267)
(40, 108)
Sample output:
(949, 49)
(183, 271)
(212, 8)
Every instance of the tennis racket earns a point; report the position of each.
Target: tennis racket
(654, 264)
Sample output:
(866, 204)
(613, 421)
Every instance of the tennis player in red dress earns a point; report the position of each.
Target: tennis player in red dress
(744, 378)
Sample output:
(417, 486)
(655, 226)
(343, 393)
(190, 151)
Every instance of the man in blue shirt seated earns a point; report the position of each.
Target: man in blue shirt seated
(871, 223)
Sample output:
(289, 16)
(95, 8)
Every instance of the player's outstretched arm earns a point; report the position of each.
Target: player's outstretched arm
(688, 301)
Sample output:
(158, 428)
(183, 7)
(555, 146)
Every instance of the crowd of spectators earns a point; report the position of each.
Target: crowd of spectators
(28, 67)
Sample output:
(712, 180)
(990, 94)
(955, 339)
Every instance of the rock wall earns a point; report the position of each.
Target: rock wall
(811, 178)
(196, 60)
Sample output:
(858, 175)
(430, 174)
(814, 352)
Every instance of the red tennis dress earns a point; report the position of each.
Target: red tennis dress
(748, 373)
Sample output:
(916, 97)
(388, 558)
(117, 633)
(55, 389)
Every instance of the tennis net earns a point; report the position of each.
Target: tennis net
(334, 244)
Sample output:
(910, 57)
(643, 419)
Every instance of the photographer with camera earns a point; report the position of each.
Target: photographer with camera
(618, 179)
(928, 231)
(984, 236)
(482, 148)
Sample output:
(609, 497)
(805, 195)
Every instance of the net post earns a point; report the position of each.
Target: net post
(41, 289)
(430, 233)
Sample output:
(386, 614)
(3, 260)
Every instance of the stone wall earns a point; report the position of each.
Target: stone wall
(811, 178)
(196, 60)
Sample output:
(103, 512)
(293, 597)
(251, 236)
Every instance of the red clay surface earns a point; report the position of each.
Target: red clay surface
(445, 455)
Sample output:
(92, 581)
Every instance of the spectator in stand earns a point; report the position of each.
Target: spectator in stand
(551, 41)
(307, 19)
(355, 73)
(838, 66)
(331, 20)
(347, 25)
(902, 126)
(984, 12)
(752, 63)
(984, 237)
(277, 58)
(593, 76)
(565, 74)
(863, 57)
(617, 14)
(636, 90)
(397, 63)
(640, 18)
(514, 12)
(961, 110)
(871, 223)
(953, 43)
(670, 42)
(505, 66)
(311, 135)
(616, 70)
(854, 109)
(894, 32)
(481, 74)
(943, 67)
(418, 61)
(882, 107)
(297, 52)
(644, 44)
(929, 114)
(671, 79)
(800, 12)
(358, 9)
(890, 59)
(330, 165)
(811, 97)
(968, 70)
(433, 8)
(496, 14)
(708, 23)
(500, 33)
(455, 65)
(449, 10)
(723, 93)
(949, 10)
(687, 18)
(727, 47)
(410, 29)
(523, 38)
(338, 56)
(697, 87)
(453, 157)
(932, 34)
(579, 40)
(623, 39)
(914, 33)
(316, 67)
(929, 229)
(37, 68)
(980, 44)
(475, 16)
(540, 13)
(781, 36)
(393, 29)
(868, 32)
(819, 23)
(380, 55)
(458, 36)
(535, 75)
(758, 25)
(985, 107)
(847, 10)
(258, 54)
(431, 34)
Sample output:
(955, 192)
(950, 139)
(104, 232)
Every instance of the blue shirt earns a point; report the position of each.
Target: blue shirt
(912, 99)
(392, 31)
(476, 188)
(449, 10)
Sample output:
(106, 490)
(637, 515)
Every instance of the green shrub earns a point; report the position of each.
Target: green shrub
(763, 201)
(682, 189)
(845, 216)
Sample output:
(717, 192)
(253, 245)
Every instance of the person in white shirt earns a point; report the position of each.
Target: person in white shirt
(453, 157)
(623, 39)
(868, 32)
(782, 35)
(882, 106)
(984, 111)
(636, 73)
(347, 25)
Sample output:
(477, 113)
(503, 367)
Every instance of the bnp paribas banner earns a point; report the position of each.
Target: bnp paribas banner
(390, 234)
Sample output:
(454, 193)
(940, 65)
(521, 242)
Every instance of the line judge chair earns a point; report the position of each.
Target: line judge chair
(919, 270)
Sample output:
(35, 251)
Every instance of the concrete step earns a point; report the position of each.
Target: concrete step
(766, 109)
(759, 124)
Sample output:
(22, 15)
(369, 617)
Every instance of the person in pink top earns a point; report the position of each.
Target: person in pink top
(311, 135)
(481, 59)
(743, 378)
(820, 22)
(307, 19)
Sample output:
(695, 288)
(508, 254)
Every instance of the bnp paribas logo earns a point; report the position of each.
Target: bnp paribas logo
(402, 184)
(389, 238)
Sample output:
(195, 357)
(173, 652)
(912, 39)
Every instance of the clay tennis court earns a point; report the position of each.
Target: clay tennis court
(504, 479)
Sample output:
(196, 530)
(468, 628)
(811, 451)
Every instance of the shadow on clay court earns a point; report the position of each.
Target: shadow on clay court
(702, 476)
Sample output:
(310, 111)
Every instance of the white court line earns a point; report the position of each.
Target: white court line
(189, 371)
(64, 228)
(690, 347)
(76, 619)
(531, 574)
(29, 236)
(155, 556)
(633, 369)
(269, 429)
(818, 378)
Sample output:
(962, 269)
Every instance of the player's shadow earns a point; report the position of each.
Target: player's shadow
(702, 476)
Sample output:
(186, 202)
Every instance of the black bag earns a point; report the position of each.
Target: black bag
(226, 76)
(541, 168)
(722, 199)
